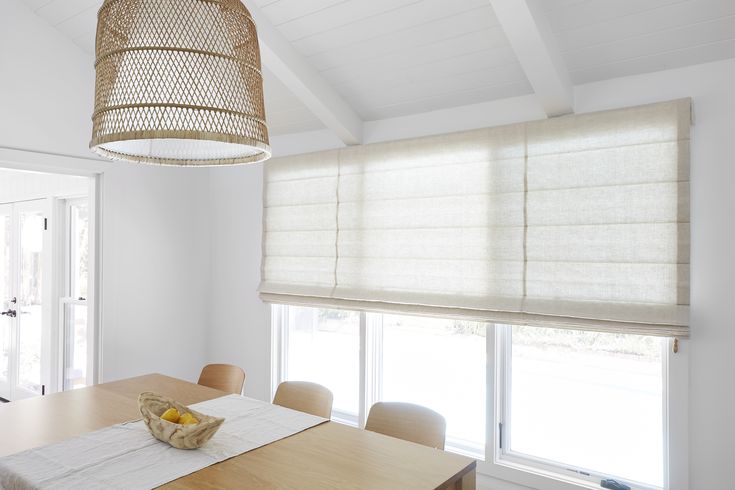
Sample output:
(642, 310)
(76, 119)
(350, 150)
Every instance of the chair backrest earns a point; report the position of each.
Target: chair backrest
(409, 422)
(223, 377)
(305, 397)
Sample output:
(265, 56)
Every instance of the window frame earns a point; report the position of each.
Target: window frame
(539, 473)
(496, 466)
(67, 299)
(504, 343)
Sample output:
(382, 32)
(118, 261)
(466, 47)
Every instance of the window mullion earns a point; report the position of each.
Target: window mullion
(362, 408)
(492, 392)
(376, 367)
(501, 396)
(283, 332)
(371, 362)
(507, 359)
(279, 346)
(665, 399)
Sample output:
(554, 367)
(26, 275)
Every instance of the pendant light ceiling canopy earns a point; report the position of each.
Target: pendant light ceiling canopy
(178, 82)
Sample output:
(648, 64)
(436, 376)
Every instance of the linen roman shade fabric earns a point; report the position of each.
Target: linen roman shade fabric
(579, 221)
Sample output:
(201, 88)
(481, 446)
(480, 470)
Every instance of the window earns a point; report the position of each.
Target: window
(78, 247)
(437, 363)
(73, 303)
(323, 346)
(584, 403)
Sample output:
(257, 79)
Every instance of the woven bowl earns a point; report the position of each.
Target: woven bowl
(193, 436)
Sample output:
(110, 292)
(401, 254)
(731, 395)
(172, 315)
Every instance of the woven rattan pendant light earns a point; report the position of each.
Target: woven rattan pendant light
(178, 82)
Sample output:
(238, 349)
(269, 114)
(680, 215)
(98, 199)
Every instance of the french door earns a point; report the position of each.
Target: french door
(24, 323)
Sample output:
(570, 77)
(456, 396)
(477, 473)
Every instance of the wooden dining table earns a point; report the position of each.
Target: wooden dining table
(327, 456)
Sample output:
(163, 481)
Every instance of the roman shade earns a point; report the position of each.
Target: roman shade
(580, 221)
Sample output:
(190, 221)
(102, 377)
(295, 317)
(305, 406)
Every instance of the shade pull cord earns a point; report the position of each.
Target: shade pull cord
(525, 216)
(336, 221)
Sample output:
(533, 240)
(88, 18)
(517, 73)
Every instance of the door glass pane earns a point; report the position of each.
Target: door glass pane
(588, 400)
(324, 347)
(78, 249)
(440, 364)
(75, 348)
(5, 321)
(29, 302)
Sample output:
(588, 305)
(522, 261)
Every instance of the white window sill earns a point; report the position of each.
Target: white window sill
(516, 476)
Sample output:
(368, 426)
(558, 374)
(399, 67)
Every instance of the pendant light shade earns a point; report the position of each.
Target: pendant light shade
(178, 82)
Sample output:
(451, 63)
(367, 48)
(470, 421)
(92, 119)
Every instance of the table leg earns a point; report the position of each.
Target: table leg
(467, 482)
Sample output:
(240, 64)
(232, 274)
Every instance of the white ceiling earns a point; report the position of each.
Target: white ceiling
(389, 58)
(603, 39)
(397, 57)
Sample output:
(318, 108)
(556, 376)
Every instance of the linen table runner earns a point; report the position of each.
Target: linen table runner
(127, 456)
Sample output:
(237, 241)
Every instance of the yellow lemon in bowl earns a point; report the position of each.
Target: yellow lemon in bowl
(171, 415)
(188, 419)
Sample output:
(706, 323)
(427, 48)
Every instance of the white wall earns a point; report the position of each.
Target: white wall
(240, 321)
(45, 83)
(155, 303)
(156, 286)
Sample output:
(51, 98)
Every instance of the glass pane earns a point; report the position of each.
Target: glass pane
(29, 302)
(590, 400)
(78, 249)
(5, 323)
(75, 349)
(324, 347)
(439, 364)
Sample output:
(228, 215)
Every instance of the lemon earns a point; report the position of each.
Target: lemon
(172, 415)
(188, 419)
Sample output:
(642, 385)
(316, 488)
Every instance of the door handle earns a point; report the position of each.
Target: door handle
(10, 313)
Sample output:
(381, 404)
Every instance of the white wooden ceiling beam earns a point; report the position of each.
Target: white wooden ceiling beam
(281, 58)
(534, 44)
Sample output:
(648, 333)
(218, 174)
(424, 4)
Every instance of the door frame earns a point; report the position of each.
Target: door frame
(93, 168)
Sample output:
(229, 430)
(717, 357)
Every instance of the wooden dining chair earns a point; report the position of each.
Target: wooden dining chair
(223, 377)
(305, 397)
(409, 422)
